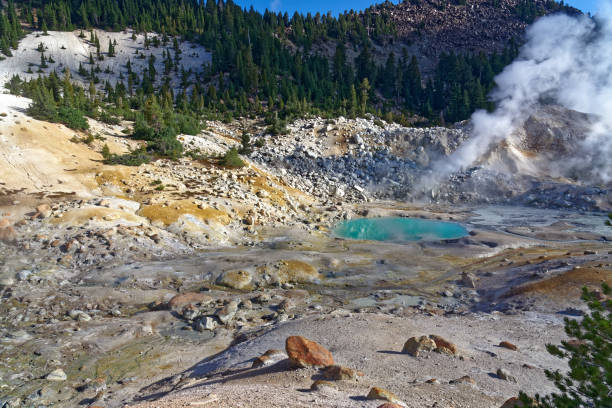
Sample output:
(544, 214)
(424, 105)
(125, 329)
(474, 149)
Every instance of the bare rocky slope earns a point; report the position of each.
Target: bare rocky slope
(430, 27)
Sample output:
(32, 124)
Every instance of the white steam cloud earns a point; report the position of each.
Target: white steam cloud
(275, 5)
(566, 60)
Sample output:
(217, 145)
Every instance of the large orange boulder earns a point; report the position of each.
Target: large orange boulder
(306, 353)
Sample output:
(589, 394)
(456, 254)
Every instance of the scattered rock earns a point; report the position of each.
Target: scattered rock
(23, 275)
(268, 358)
(505, 375)
(190, 312)
(319, 385)
(377, 393)
(5, 282)
(43, 211)
(514, 402)
(292, 271)
(205, 323)
(57, 375)
(79, 315)
(8, 234)
(235, 279)
(284, 305)
(415, 345)
(304, 353)
(336, 373)
(508, 345)
(466, 379)
(443, 345)
(228, 312)
(468, 280)
(181, 300)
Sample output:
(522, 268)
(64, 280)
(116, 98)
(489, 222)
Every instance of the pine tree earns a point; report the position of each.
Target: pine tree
(589, 380)
(92, 91)
(106, 154)
(111, 49)
(364, 89)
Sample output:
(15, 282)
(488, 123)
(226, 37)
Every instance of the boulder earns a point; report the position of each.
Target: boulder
(416, 345)
(443, 345)
(466, 379)
(508, 345)
(304, 353)
(8, 234)
(377, 393)
(57, 375)
(514, 402)
(205, 323)
(43, 211)
(319, 385)
(235, 279)
(468, 280)
(228, 312)
(268, 358)
(290, 271)
(181, 300)
(505, 375)
(336, 372)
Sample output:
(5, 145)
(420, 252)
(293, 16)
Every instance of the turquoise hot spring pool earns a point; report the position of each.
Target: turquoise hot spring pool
(398, 229)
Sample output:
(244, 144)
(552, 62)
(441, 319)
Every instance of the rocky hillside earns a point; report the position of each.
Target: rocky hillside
(436, 26)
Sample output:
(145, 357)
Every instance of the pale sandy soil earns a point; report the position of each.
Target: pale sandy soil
(371, 343)
(39, 157)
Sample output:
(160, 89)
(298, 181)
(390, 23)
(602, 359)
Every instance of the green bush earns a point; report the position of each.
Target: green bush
(246, 148)
(106, 152)
(187, 125)
(72, 117)
(232, 159)
(589, 380)
(135, 158)
(109, 119)
(165, 144)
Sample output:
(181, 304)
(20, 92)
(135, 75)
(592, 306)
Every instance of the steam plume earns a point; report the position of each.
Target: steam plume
(566, 60)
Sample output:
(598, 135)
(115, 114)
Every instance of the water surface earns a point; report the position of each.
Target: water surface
(398, 229)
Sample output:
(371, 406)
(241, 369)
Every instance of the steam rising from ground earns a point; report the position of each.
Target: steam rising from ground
(565, 60)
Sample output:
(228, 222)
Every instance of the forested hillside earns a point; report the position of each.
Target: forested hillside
(264, 63)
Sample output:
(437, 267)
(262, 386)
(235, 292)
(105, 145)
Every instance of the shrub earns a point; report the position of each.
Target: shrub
(232, 159)
(106, 154)
(165, 144)
(135, 158)
(379, 123)
(72, 117)
(89, 139)
(187, 125)
(246, 144)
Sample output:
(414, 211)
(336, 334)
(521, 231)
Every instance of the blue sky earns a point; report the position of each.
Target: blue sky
(336, 7)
